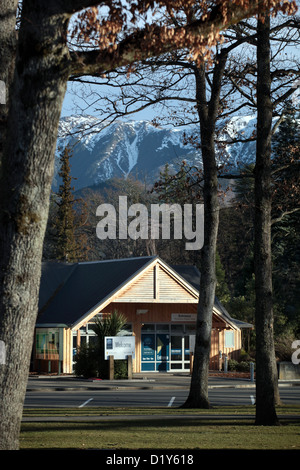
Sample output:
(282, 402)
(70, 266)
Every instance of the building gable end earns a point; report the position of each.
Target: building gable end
(158, 284)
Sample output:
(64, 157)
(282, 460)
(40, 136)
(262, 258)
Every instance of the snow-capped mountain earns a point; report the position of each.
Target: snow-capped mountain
(141, 149)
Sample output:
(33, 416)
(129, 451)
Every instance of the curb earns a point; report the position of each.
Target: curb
(144, 385)
(129, 387)
(135, 417)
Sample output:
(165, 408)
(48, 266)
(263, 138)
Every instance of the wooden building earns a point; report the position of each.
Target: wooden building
(158, 300)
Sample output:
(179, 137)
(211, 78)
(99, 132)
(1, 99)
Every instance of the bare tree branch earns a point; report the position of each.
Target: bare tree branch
(284, 214)
(136, 47)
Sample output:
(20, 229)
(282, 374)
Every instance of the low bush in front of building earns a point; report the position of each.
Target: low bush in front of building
(120, 369)
(86, 362)
(239, 366)
(89, 362)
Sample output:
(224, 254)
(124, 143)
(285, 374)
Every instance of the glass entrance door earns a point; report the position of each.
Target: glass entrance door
(155, 352)
(180, 352)
(166, 347)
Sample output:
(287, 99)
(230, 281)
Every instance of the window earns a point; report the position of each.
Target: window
(177, 328)
(162, 327)
(148, 327)
(229, 339)
(190, 329)
(47, 344)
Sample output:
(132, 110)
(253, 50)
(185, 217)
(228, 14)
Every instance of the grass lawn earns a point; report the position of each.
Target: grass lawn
(160, 428)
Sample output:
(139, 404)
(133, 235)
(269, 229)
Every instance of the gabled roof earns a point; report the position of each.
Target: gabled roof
(190, 273)
(238, 323)
(67, 292)
(70, 292)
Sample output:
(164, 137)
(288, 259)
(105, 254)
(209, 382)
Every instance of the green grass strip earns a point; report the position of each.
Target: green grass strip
(159, 428)
(113, 411)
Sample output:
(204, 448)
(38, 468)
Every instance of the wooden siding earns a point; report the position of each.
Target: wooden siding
(232, 352)
(67, 367)
(170, 290)
(143, 289)
(214, 350)
(156, 313)
(156, 285)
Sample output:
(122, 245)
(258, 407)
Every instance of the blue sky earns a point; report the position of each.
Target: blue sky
(72, 105)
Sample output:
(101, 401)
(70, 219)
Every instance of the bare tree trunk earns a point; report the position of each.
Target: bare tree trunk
(8, 44)
(27, 169)
(266, 372)
(198, 395)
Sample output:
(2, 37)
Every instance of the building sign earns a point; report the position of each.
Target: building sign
(119, 346)
(183, 317)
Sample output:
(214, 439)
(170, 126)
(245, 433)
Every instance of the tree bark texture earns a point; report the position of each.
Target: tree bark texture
(27, 170)
(8, 44)
(266, 372)
(207, 111)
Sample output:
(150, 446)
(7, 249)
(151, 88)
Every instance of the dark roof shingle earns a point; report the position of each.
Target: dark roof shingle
(67, 292)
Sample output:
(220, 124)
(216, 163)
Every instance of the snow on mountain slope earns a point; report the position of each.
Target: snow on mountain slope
(140, 149)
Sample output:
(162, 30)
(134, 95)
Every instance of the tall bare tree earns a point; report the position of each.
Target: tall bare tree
(267, 395)
(267, 93)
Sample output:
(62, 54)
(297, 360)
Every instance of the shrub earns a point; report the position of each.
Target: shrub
(120, 369)
(243, 366)
(244, 356)
(90, 363)
(86, 361)
(232, 364)
(239, 366)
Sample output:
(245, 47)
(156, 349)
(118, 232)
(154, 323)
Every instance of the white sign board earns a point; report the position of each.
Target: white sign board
(184, 317)
(119, 346)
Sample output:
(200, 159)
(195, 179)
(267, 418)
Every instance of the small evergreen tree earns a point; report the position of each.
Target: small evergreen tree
(222, 291)
(66, 248)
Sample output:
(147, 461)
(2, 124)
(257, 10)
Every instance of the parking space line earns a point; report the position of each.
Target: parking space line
(85, 403)
(171, 401)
